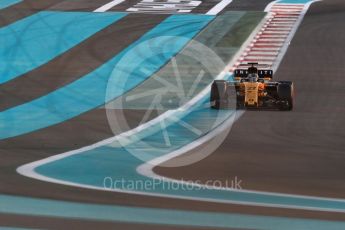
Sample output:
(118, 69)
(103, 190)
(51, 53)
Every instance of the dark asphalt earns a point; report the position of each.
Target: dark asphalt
(57, 223)
(79, 5)
(24, 9)
(91, 5)
(247, 5)
(298, 152)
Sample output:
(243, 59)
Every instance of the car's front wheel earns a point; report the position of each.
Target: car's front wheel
(218, 97)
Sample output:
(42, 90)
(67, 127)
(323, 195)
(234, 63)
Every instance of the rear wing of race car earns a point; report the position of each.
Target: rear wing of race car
(263, 74)
(253, 68)
(241, 73)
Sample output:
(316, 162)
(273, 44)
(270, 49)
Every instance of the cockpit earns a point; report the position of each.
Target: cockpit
(252, 77)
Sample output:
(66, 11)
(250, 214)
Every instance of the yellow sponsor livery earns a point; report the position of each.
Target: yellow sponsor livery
(252, 88)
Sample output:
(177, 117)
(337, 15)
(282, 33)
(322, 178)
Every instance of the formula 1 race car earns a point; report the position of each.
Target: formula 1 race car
(252, 88)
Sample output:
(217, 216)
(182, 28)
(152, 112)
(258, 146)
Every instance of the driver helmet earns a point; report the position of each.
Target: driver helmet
(253, 77)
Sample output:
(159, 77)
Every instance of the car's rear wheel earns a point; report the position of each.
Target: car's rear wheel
(286, 95)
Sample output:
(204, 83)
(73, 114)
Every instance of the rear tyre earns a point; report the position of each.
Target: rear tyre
(286, 95)
(218, 97)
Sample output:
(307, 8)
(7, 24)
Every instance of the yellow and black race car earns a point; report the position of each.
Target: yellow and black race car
(252, 88)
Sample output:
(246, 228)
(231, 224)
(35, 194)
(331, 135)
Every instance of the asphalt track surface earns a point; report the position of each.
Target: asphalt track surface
(312, 131)
(249, 5)
(23, 9)
(299, 152)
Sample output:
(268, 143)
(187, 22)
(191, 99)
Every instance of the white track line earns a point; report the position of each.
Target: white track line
(164, 7)
(264, 47)
(108, 6)
(219, 7)
(269, 6)
(28, 170)
(292, 20)
(272, 39)
(146, 169)
(255, 54)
